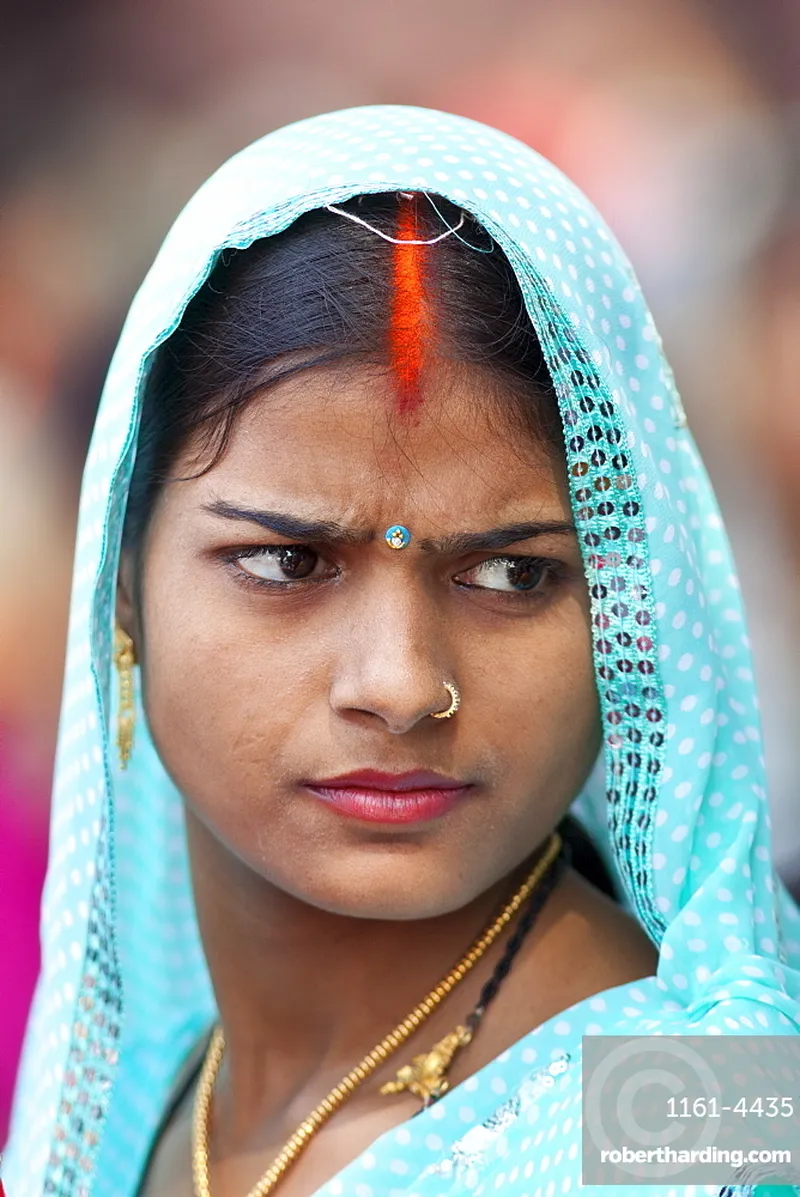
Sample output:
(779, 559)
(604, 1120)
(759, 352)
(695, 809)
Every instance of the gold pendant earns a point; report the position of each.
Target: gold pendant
(426, 1075)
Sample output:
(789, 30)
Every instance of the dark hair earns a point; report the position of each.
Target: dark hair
(318, 293)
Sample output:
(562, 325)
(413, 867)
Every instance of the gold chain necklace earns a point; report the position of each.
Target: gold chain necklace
(432, 1065)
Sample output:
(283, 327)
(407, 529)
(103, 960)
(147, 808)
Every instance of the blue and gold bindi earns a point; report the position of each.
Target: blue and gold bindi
(397, 537)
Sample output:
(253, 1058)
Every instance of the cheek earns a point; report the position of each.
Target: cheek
(218, 699)
(546, 697)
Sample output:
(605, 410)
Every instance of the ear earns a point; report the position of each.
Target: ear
(127, 607)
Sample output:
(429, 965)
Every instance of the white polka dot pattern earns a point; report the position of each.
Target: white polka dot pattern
(678, 805)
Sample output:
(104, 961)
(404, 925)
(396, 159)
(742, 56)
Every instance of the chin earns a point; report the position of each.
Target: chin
(381, 888)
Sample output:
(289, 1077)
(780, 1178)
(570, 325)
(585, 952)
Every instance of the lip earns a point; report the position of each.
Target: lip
(391, 783)
(376, 797)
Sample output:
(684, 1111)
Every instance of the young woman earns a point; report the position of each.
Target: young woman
(410, 555)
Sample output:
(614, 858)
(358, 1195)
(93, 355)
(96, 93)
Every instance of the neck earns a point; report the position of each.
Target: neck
(304, 993)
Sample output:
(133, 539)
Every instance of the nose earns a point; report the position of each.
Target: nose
(393, 659)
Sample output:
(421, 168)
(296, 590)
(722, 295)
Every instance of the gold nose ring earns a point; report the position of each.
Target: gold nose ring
(455, 703)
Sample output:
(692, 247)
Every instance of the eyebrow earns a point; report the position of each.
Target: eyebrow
(330, 532)
(460, 543)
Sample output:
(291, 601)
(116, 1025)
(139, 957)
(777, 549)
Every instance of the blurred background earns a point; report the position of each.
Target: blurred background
(679, 118)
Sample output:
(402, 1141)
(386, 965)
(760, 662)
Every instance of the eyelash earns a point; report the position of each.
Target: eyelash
(552, 572)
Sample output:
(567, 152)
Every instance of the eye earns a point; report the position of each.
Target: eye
(515, 575)
(281, 564)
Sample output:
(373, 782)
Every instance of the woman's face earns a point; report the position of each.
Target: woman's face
(268, 667)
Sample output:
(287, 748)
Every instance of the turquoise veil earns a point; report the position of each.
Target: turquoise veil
(679, 806)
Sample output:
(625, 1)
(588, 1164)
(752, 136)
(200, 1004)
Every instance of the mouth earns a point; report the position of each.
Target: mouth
(376, 797)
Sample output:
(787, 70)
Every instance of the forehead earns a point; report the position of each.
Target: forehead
(334, 434)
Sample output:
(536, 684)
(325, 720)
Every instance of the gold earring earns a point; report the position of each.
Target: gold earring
(124, 659)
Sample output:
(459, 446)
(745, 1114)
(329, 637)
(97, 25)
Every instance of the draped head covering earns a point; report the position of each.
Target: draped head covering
(678, 808)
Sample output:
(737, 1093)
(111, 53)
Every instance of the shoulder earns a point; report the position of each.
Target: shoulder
(583, 945)
(594, 943)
